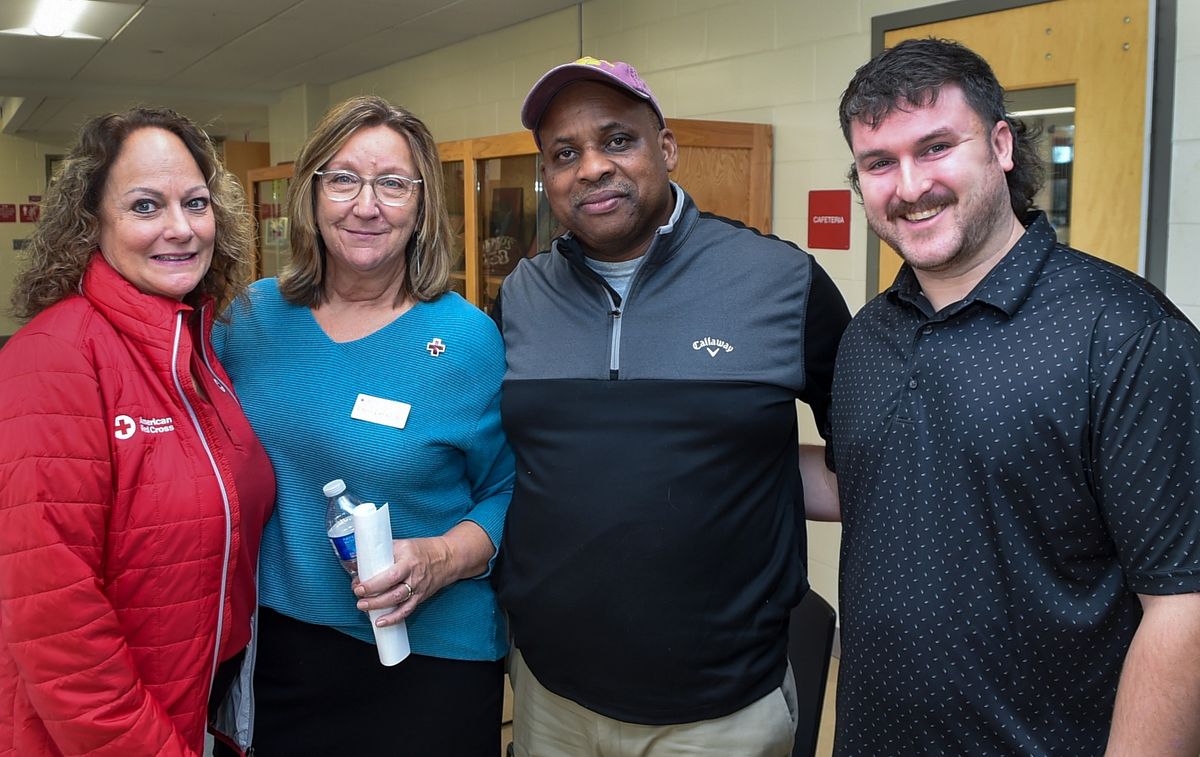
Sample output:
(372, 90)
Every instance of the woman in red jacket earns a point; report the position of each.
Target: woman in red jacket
(133, 492)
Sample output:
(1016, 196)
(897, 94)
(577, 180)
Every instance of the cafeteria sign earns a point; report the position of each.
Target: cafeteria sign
(829, 219)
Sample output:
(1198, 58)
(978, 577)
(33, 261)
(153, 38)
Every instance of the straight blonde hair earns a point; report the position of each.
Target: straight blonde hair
(427, 255)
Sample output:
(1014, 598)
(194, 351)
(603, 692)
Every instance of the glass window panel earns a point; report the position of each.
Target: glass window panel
(508, 218)
(270, 198)
(1052, 111)
(453, 179)
(548, 226)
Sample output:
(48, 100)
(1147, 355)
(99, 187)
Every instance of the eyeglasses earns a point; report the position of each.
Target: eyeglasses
(344, 186)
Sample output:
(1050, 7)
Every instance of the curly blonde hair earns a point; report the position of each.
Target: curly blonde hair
(68, 231)
(427, 256)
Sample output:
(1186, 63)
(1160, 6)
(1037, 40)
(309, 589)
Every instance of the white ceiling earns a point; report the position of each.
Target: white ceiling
(222, 62)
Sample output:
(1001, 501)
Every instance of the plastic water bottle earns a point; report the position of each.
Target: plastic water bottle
(339, 523)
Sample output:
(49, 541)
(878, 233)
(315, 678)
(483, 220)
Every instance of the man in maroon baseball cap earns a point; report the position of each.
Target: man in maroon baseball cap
(654, 546)
(620, 75)
(595, 108)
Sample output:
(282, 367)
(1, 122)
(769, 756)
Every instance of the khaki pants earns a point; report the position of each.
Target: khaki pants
(547, 725)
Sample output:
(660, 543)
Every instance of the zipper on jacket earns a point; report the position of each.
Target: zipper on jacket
(615, 303)
(187, 405)
(614, 351)
(619, 304)
(204, 357)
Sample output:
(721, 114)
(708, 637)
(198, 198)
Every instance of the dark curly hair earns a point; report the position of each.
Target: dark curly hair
(912, 73)
(68, 231)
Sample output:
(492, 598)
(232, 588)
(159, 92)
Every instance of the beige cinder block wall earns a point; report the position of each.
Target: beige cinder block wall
(22, 173)
(1183, 241)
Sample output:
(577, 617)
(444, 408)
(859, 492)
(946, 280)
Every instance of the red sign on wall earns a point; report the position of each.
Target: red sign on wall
(829, 219)
(8, 213)
(30, 212)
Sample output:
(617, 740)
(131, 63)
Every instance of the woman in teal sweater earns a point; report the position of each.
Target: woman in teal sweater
(359, 364)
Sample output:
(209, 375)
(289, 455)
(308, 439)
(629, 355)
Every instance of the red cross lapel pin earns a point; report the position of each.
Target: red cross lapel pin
(436, 346)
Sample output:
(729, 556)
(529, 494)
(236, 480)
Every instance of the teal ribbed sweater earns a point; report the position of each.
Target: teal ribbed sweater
(448, 464)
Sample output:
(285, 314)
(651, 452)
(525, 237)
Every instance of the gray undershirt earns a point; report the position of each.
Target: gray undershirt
(618, 275)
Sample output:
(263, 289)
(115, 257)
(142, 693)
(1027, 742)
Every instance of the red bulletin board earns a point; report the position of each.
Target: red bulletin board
(30, 212)
(8, 213)
(829, 219)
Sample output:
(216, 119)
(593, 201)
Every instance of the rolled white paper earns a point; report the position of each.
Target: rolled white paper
(373, 541)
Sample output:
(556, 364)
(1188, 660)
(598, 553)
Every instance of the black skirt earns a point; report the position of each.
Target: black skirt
(319, 692)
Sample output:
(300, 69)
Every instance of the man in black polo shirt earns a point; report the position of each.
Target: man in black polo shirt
(1016, 428)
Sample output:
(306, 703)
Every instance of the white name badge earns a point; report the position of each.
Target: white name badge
(381, 411)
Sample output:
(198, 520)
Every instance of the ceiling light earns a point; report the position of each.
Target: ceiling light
(54, 18)
(1042, 112)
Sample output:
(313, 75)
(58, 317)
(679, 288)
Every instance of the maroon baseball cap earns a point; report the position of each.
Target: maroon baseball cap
(621, 75)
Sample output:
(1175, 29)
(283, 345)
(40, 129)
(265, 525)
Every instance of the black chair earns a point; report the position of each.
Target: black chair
(810, 645)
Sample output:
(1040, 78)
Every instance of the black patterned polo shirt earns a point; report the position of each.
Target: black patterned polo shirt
(1013, 470)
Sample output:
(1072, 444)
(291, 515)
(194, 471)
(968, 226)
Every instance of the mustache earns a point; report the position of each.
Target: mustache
(612, 185)
(928, 201)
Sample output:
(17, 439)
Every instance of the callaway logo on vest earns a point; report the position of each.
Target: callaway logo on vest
(712, 346)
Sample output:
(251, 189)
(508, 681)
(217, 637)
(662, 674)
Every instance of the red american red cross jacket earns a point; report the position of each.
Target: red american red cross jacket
(127, 552)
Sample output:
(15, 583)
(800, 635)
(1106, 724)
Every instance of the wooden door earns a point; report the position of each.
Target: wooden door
(1101, 47)
(242, 157)
(726, 168)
